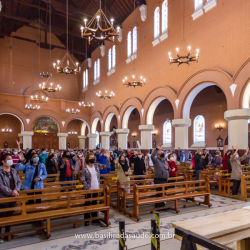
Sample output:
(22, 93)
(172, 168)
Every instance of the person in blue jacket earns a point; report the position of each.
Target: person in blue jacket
(43, 156)
(183, 156)
(102, 159)
(35, 173)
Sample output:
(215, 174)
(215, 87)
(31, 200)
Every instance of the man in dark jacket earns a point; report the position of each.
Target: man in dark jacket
(161, 170)
(139, 164)
(199, 163)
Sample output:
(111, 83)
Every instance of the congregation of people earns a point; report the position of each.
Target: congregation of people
(87, 166)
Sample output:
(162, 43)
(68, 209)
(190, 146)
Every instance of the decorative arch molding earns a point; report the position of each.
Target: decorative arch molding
(39, 113)
(153, 99)
(19, 114)
(197, 82)
(127, 107)
(79, 118)
(95, 117)
(108, 114)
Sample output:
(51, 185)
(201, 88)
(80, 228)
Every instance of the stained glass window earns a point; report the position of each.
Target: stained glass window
(134, 40)
(165, 16)
(98, 68)
(97, 139)
(95, 70)
(167, 132)
(199, 128)
(110, 59)
(113, 57)
(84, 79)
(157, 22)
(129, 44)
(198, 3)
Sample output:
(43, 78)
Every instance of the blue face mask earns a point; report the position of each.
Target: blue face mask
(44, 152)
(217, 155)
(71, 153)
(36, 159)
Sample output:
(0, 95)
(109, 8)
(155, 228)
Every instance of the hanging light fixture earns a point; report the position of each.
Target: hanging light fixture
(134, 83)
(31, 107)
(72, 132)
(105, 95)
(185, 58)
(6, 129)
(99, 28)
(85, 104)
(72, 111)
(51, 87)
(39, 98)
(45, 75)
(67, 65)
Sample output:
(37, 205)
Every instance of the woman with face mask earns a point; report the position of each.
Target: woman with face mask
(51, 164)
(91, 178)
(235, 161)
(10, 185)
(79, 162)
(123, 170)
(172, 165)
(35, 173)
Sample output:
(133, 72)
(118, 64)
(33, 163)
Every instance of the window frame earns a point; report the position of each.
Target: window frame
(194, 128)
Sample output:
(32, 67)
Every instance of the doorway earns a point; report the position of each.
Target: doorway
(45, 140)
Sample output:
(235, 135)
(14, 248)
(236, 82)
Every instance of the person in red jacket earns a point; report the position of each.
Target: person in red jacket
(172, 165)
(224, 160)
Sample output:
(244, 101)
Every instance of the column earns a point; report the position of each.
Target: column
(146, 136)
(82, 141)
(122, 138)
(27, 139)
(181, 132)
(105, 140)
(237, 127)
(62, 140)
(92, 138)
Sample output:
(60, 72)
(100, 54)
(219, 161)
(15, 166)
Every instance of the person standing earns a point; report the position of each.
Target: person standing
(102, 159)
(51, 165)
(161, 170)
(198, 164)
(66, 168)
(183, 156)
(235, 161)
(43, 156)
(139, 164)
(225, 159)
(10, 185)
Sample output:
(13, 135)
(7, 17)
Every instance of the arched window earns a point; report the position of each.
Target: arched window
(165, 16)
(129, 44)
(84, 80)
(167, 132)
(197, 3)
(97, 139)
(134, 40)
(98, 68)
(95, 70)
(199, 128)
(157, 22)
(113, 57)
(110, 59)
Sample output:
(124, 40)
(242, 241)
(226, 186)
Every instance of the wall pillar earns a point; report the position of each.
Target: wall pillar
(122, 138)
(237, 128)
(92, 138)
(27, 139)
(146, 136)
(82, 139)
(62, 140)
(105, 140)
(181, 132)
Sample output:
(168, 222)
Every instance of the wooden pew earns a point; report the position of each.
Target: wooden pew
(50, 177)
(182, 191)
(54, 205)
(245, 186)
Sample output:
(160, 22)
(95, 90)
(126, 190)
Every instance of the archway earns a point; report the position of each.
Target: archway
(246, 97)
(133, 122)
(13, 123)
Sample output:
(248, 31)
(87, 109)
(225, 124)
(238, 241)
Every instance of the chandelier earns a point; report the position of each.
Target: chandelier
(72, 111)
(72, 132)
(99, 28)
(184, 59)
(105, 95)
(45, 75)
(39, 98)
(134, 83)
(85, 104)
(51, 88)
(67, 65)
(30, 107)
(6, 129)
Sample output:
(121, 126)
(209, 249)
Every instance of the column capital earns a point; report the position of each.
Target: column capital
(237, 114)
(62, 134)
(82, 137)
(122, 131)
(181, 123)
(92, 135)
(146, 127)
(27, 133)
(105, 133)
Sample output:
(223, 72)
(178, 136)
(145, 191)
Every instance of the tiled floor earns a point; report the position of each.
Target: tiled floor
(64, 239)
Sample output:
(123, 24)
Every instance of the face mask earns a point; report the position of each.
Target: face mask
(8, 152)
(140, 156)
(237, 156)
(67, 156)
(171, 158)
(36, 159)
(44, 152)
(162, 155)
(15, 153)
(92, 161)
(52, 151)
(71, 153)
(122, 161)
(9, 163)
(217, 155)
(79, 155)
(104, 154)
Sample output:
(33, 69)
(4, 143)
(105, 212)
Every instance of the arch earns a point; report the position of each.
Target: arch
(22, 126)
(246, 97)
(153, 99)
(48, 117)
(126, 116)
(83, 128)
(95, 117)
(108, 114)
(94, 124)
(108, 121)
(196, 83)
(79, 119)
